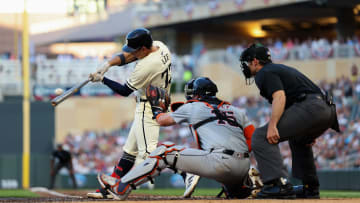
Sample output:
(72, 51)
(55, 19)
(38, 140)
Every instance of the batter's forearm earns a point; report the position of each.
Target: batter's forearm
(122, 59)
(278, 106)
(123, 90)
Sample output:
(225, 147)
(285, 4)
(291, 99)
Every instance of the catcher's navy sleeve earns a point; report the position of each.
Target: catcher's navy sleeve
(123, 90)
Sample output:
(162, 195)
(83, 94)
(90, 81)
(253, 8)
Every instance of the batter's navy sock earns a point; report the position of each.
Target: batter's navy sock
(125, 164)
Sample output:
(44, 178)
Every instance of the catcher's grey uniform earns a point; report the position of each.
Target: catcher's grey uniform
(213, 138)
(223, 154)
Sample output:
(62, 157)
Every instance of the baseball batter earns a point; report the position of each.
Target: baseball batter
(223, 134)
(153, 67)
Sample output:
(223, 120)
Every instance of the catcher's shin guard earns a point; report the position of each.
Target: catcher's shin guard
(152, 166)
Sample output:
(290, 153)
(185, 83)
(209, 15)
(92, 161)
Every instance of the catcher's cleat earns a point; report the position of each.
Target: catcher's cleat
(106, 181)
(191, 181)
(100, 194)
(115, 187)
(254, 176)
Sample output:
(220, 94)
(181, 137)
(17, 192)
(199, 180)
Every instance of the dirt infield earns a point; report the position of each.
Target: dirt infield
(80, 196)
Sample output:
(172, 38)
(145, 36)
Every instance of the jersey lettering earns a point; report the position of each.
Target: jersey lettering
(165, 58)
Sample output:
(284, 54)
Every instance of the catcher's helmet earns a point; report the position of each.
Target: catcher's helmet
(136, 39)
(257, 51)
(204, 87)
(189, 89)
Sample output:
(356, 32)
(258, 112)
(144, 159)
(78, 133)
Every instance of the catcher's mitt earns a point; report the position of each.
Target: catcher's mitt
(158, 98)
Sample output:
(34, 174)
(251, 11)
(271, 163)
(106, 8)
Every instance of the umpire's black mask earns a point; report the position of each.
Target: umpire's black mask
(254, 51)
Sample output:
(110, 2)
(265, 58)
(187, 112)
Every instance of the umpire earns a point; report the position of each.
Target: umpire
(61, 158)
(300, 114)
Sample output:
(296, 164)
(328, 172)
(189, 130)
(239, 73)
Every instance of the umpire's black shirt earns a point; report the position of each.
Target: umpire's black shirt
(63, 156)
(273, 77)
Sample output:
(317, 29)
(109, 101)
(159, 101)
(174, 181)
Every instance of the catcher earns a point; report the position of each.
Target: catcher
(223, 134)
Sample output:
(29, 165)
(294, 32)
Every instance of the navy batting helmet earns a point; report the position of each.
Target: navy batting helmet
(136, 39)
(204, 87)
(257, 51)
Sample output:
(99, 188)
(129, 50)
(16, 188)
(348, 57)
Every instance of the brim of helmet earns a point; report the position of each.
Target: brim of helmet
(128, 49)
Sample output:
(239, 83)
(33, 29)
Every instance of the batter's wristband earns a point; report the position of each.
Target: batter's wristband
(122, 58)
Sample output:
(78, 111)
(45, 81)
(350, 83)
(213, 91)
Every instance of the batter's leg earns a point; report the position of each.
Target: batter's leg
(147, 135)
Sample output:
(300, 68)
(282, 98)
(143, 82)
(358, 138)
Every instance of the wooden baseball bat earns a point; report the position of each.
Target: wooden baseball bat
(57, 100)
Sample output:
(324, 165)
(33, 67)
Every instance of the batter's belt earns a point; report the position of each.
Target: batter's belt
(139, 99)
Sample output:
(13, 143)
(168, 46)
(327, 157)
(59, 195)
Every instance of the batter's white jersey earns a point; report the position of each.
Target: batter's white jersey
(154, 69)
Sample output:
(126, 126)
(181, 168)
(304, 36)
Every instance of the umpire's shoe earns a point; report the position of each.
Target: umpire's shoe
(119, 190)
(277, 189)
(306, 192)
(99, 194)
(191, 181)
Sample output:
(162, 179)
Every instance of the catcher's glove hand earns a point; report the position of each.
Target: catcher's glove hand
(158, 98)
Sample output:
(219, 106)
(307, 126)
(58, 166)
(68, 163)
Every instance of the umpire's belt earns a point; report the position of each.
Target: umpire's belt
(230, 152)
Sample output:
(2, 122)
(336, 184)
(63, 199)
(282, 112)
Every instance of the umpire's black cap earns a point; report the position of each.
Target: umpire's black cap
(136, 39)
(257, 51)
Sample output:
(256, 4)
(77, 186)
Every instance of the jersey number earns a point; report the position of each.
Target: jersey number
(229, 115)
(166, 75)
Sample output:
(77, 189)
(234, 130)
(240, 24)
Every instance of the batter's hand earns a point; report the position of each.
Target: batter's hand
(96, 77)
(103, 68)
(272, 135)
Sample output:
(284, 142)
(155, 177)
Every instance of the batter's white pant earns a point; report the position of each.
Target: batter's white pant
(144, 133)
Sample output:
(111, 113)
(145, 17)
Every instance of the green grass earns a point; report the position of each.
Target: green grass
(214, 192)
(17, 193)
(339, 194)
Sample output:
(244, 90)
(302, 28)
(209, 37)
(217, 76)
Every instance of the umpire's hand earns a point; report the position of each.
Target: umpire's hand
(272, 135)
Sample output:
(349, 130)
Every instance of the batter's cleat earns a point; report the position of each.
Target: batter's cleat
(100, 194)
(254, 176)
(278, 189)
(306, 192)
(191, 181)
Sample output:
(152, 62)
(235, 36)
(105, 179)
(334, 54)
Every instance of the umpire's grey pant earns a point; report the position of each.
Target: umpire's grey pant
(300, 124)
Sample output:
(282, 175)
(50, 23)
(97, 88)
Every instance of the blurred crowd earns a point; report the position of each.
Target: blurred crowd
(100, 151)
(311, 48)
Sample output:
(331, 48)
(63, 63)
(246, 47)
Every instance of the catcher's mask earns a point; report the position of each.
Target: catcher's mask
(189, 89)
(136, 39)
(257, 51)
(204, 88)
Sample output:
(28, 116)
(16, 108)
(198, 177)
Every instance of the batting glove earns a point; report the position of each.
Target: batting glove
(96, 77)
(103, 68)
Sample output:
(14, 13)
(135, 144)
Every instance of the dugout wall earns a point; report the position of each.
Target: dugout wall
(42, 136)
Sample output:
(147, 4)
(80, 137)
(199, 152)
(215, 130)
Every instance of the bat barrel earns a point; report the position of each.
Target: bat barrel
(57, 100)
